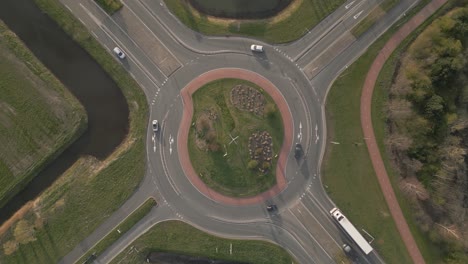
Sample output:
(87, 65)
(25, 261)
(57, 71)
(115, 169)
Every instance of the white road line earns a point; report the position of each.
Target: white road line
(310, 213)
(133, 58)
(350, 4)
(121, 30)
(358, 14)
(164, 163)
(313, 238)
(152, 33)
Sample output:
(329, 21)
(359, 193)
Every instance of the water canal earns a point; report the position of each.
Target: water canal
(102, 99)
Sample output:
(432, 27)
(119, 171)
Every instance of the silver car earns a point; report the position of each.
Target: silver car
(155, 126)
(257, 48)
(119, 53)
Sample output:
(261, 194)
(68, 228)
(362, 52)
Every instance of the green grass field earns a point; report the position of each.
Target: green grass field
(348, 172)
(230, 174)
(39, 117)
(172, 237)
(87, 194)
(287, 27)
(111, 6)
(114, 235)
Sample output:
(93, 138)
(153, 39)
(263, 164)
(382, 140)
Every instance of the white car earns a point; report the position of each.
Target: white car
(155, 126)
(257, 48)
(119, 53)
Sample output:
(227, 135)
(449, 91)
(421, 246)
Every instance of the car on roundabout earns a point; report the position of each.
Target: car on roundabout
(256, 48)
(272, 208)
(155, 125)
(298, 151)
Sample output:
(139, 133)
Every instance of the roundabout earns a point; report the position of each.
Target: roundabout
(186, 123)
(181, 181)
(185, 60)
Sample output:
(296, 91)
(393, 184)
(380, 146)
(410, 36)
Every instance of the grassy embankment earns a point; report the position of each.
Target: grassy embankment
(172, 236)
(289, 25)
(110, 6)
(233, 174)
(348, 172)
(378, 12)
(39, 117)
(88, 193)
(120, 230)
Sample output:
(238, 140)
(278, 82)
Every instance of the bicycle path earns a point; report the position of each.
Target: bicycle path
(366, 123)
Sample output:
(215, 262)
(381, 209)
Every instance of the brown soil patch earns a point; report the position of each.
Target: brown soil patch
(205, 136)
(249, 99)
(261, 150)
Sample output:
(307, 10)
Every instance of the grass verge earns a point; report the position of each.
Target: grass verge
(39, 117)
(110, 6)
(87, 194)
(348, 172)
(120, 230)
(217, 120)
(171, 236)
(370, 19)
(289, 25)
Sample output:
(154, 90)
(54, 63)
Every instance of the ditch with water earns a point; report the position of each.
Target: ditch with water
(102, 99)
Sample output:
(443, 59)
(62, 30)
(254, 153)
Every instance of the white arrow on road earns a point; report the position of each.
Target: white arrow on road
(358, 14)
(170, 144)
(171, 140)
(154, 142)
(299, 136)
(349, 5)
(316, 134)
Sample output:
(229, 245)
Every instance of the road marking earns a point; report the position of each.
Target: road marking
(69, 8)
(318, 222)
(171, 140)
(155, 36)
(95, 19)
(94, 34)
(313, 238)
(358, 14)
(137, 62)
(299, 135)
(98, 22)
(154, 142)
(316, 134)
(350, 4)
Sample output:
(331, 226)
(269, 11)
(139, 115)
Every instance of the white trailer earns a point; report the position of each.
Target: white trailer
(351, 230)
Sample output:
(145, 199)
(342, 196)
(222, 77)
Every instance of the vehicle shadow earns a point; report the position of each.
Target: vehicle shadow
(262, 59)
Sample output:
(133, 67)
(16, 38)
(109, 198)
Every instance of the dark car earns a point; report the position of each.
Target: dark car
(298, 151)
(272, 208)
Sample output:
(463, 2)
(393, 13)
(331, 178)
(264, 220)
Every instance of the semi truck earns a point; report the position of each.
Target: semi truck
(349, 228)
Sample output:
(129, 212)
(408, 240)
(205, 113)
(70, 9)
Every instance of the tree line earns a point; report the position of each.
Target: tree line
(428, 130)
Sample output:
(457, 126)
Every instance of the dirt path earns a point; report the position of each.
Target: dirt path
(366, 123)
(182, 142)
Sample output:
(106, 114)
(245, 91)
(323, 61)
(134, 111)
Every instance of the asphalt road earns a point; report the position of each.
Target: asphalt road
(163, 56)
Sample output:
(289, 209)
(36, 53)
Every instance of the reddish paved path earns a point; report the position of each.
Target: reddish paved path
(184, 158)
(366, 123)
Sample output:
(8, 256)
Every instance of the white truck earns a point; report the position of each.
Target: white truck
(349, 228)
